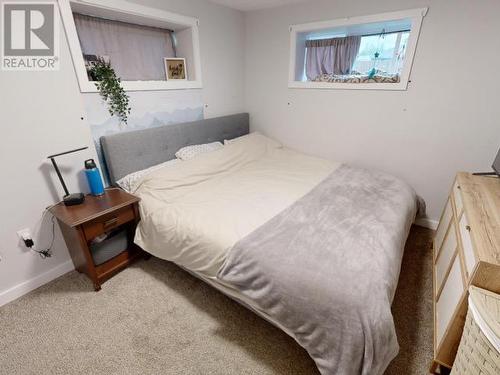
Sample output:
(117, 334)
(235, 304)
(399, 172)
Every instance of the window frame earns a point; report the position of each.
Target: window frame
(415, 15)
(131, 11)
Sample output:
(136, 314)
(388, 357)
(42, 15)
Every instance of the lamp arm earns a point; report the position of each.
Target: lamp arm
(60, 177)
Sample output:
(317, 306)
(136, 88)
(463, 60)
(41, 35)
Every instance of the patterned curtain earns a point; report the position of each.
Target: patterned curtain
(331, 56)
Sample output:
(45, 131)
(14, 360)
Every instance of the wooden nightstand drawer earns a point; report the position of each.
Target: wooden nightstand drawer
(108, 222)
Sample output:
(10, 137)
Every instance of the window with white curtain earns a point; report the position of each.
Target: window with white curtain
(149, 48)
(136, 52)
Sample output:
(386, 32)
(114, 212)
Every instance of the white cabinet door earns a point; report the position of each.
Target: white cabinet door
(470, 259)
(444, 258)
(458, 198)
(449, 299)
(443, 226)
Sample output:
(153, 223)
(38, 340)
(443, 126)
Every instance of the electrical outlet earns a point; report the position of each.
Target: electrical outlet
(24, 234)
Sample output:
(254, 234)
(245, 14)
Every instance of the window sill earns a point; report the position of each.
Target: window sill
(401, 86)
(90, 86)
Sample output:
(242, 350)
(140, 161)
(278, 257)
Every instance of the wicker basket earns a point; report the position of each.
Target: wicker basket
(476, 354)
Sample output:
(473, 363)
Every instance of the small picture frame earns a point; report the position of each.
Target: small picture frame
(175, 69)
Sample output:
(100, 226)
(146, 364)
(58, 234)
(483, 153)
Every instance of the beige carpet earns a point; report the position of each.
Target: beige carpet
(154, 318)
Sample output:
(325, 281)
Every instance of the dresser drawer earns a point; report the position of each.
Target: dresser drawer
(457, 196)
(443, 227)
(470, 259)
(445, 256)
(449, 299)
(108, 222)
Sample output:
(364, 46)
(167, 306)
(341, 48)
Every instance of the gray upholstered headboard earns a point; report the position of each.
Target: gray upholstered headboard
(129, 152)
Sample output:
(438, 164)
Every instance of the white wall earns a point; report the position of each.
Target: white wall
(41, 114)
(447, 121)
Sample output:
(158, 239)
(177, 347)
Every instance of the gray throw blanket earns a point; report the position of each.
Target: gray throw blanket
(327, 267)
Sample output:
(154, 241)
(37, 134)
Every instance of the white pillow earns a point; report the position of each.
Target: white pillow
(229, 141)
(129, 182)
(190, 152)
(257, 135)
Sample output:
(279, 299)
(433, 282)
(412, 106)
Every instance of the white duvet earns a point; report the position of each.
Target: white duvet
(192, 213)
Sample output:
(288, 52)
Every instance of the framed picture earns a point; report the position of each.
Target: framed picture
(175, 68)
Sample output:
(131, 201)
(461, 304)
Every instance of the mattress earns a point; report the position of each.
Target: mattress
(194, 212)
(313, 246)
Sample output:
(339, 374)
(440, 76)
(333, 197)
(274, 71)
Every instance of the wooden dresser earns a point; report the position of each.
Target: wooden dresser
(466, 252)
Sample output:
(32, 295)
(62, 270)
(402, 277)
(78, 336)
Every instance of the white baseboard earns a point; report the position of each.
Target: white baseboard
(427, 223)
(27, 286)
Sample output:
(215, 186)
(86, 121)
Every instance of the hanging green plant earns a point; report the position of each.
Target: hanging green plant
(110, 88)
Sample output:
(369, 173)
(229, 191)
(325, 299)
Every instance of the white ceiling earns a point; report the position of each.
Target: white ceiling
(247, 5)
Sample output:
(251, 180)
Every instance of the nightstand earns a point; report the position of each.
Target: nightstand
(84, 224)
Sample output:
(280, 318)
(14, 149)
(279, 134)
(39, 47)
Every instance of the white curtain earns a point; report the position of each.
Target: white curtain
(331, 56)
(136, 52)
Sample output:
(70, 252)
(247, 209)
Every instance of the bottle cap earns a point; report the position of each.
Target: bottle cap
(90, 164)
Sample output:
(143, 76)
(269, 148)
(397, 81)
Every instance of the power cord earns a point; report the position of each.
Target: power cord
(47, 253)
(44, 253)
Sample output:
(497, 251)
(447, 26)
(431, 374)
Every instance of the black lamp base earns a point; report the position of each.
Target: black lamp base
(74, 199)
(484, 174)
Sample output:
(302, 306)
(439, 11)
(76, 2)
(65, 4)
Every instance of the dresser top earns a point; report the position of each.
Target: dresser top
(481, 198)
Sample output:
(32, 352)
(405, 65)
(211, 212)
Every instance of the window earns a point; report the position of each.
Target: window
(369, 52)
(136, 40)
(385, 52)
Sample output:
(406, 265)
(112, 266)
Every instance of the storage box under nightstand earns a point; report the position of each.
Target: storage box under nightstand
(107, 214)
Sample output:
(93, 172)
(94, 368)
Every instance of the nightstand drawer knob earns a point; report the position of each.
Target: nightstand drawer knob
(110, 223)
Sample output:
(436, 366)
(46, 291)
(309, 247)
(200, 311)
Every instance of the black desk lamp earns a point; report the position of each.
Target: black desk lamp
(68, 199)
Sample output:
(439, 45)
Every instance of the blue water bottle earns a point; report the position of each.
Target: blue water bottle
(94, 177)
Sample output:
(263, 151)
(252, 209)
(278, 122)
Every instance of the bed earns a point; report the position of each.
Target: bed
(311, 245)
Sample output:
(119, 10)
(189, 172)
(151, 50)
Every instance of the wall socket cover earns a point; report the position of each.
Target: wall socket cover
(24, 234)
